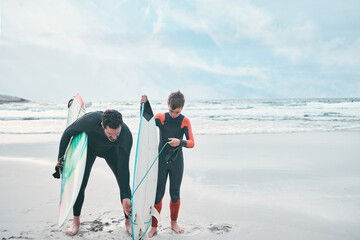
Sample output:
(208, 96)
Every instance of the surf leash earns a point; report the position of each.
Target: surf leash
(150, 168)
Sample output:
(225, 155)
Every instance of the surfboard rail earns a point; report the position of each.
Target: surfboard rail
(74, 162)
(145, 174)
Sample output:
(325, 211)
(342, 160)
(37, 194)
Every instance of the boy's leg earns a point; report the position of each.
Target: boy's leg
(175, 177)
(154, 221)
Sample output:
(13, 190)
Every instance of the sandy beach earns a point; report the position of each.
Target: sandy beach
(270, 91)
(259, 186)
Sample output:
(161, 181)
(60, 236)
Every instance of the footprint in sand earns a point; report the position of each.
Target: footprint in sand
(96, 226)
(220, 228)
(191, 230)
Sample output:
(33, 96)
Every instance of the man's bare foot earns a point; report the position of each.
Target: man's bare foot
(74, 229)
(128, 226)
(176, 227)
(152, 232)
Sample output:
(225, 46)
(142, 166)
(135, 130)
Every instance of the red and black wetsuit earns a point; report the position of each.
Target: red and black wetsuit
(171, 161)
(115, 153)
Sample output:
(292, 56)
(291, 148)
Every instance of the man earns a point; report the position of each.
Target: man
(108, 138)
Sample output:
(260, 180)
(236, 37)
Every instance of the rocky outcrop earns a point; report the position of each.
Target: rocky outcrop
(10, 99)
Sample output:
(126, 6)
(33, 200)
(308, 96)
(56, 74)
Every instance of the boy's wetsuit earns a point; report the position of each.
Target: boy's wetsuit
(171, 161)
(115, 153)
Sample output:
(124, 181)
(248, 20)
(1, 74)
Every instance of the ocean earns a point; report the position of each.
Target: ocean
(206, 117)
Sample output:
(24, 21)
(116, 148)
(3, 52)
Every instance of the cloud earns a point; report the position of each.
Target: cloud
(232, 21)
(339, 52)
(162, 45)
(58, 24)
(159, 24)
(77, 32)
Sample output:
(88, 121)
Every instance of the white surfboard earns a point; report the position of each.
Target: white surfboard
(74, 162)
(145, 175)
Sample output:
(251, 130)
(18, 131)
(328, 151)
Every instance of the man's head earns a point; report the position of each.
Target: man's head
(112, 122)
(176, 103)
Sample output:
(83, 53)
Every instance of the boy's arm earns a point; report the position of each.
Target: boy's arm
(190, 142)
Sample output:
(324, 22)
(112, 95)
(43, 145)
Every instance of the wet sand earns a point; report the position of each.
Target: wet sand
(262, 186)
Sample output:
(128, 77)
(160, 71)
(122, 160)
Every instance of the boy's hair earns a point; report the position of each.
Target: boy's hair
(176, 100)
(112, 119)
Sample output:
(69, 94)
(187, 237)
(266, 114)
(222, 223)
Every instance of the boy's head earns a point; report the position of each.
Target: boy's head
(176, 103)
(176, 100)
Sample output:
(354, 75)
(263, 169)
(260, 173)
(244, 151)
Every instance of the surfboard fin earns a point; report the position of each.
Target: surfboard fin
(70, 102)
(142, 225)
(145, 237)
(155, 213)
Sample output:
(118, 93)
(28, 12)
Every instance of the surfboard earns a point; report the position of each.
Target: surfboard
(145, 175)
(74, 162)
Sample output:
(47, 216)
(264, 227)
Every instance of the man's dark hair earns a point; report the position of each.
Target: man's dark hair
(112, 119)
(176, 100)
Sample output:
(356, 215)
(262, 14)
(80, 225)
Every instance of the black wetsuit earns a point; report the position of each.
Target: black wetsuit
(115, 153)
(171, 161)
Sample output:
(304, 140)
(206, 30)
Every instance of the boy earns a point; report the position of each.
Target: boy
(173, 126)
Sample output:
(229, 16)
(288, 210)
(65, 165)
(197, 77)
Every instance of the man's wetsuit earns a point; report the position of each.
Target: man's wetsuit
(115, 153)
(171, 161)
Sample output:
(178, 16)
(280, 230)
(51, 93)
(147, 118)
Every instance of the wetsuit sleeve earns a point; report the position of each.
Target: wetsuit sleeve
(65, 139)
(83, 124)
(124, 150)
(190, 142)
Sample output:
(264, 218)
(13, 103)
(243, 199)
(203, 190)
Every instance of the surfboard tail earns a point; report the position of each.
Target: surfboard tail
(154, 213)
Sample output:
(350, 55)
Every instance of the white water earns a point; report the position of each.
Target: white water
(206, 117)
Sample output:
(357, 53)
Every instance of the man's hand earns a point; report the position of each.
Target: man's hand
(58, 168)
(126, 203)
(174, 142)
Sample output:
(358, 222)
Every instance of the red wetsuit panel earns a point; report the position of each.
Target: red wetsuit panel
(161, 117)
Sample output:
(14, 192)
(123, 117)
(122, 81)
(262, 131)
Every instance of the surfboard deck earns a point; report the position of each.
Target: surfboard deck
(145, 174)
(74, 162)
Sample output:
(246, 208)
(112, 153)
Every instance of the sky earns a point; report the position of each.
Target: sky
(208, 49)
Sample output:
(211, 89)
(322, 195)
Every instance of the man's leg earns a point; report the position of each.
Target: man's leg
(116, 160)
(73, 230)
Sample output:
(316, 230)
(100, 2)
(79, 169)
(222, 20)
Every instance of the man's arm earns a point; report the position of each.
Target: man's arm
(65, 139)
(126, 142)
(83, 124)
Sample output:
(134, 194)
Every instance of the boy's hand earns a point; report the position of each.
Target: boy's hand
(143, 99)
(174, 142)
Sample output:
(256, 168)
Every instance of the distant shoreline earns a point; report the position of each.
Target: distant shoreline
(11, 99)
